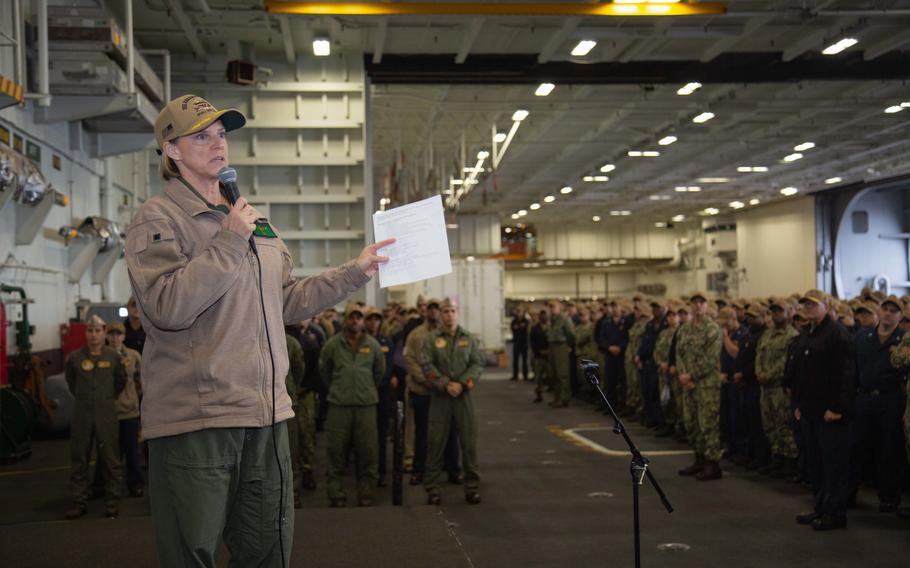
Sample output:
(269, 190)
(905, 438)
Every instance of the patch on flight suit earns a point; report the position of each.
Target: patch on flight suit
(463, 343)
(263, 229)
(365, 349)
(88, 365)
(440, 342)
(104, 364)
(384, 348)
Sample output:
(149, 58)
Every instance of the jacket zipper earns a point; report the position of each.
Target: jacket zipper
(263, 403)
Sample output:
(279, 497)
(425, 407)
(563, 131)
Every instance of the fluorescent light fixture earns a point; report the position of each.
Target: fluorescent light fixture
(643, 154)
(841, 45)
(905, 104)
(744, 169)
(737, 204)
(322, 47)
(714, 180)
(793, 157)
(693, 189)
(566, 190)
(583, 48)
(123, 312)
(601, 178)
(754, 201)
(544, 89)
(534, 206)
(893, 109)
(804, 146)
(508, 230)
(667, 140)
(620, 213)
(514, 216)
(759, 168)
(500, 137)
(588, 178)
(789, 191)
(470, 170)
(595, 218)
(470, 259)
(607, 168)
(634, 154)
(703, 117)
(835, 179)
(522, 212)
(711, 211)
(678, 218)
(660, 197)
(688, 89)
(457, 181)
(483, 155)
(520, 115)
(660, 225)
(687, 189)
(751, 169)
(680, 189)
(549, 199)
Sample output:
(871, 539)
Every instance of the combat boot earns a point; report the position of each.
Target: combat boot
(694, 468)
(472, 497)
(710, 472)
(76, 511)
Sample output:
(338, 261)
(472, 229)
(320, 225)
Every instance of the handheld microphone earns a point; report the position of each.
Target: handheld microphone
(228, 178)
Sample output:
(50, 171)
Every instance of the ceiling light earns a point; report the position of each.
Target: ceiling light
(583, 48)
(566, 190)
(905, 104)
(522, 212)
(737, 204)
(744, 169)
(789, 191)
(678, 218)
(456, 181)
(634, 153)
(534, 206)
(751, 169)
(322, 47)
(620, 213)
(893, 109)
(713, 180)
(688, 89)
(667, 140)
(703, 117)
(793, 157)
(483, 155)
(759, 168)
(549, 199)
(588, 178)
(804, 146)
(515, 216)
(601, 178)
(595, 218)
(754, 201)
(607, 168)
(680, 189)
(500, 137)
(520, 115)
(660, 225)
(693, 189)
(833, 180)
(841, 45)
(508, 230)
(685, 188)
(544, 89)
(470, 170)
(470, 259)
(650, 153)
(711, 211)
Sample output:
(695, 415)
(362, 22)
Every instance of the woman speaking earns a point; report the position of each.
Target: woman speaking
(213, 283)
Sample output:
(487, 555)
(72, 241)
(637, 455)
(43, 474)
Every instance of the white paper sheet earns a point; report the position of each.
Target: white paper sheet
(421, 249)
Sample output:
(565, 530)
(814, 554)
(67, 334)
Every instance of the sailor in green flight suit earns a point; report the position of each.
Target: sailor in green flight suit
(452, 363)
(95, 374)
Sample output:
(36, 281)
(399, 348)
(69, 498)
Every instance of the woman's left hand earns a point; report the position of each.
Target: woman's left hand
(369, 260)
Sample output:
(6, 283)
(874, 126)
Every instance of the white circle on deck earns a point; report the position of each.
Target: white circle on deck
(599, 494)
(673, 547)
(551, 462)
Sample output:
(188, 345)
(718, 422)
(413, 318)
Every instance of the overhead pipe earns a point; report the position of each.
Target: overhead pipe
(44, 80)
(17, 26)
(130, 49)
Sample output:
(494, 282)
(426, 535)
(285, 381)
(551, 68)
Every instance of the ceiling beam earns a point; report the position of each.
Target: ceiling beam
(468, 39)
(189, 30)
(382, 31)
(890, 42)
(557, 39)
(483, 69)
(752, 25)
(584, 9)
(811, 40)
(288, 38)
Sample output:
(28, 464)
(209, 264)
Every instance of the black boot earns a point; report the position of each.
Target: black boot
(694, 468)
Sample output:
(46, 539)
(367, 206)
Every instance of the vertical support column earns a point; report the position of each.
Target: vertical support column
(374, 295)
(130, 49)
(44, 80)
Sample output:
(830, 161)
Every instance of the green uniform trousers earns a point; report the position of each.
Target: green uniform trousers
(352, 427)
(672, 414)
(633, 388)
(302, 436)
(444, 410)
(907, 422)
(221, 484)
(541, 378)
(775, 409)
(702, 417)
(558, 367)
(95, 421)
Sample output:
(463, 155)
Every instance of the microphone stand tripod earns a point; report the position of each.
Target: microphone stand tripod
(639, 468)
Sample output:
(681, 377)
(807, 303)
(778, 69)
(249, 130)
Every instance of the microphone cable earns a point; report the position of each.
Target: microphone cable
(268, 337)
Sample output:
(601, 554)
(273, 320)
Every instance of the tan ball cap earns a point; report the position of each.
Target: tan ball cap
(191, 113)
